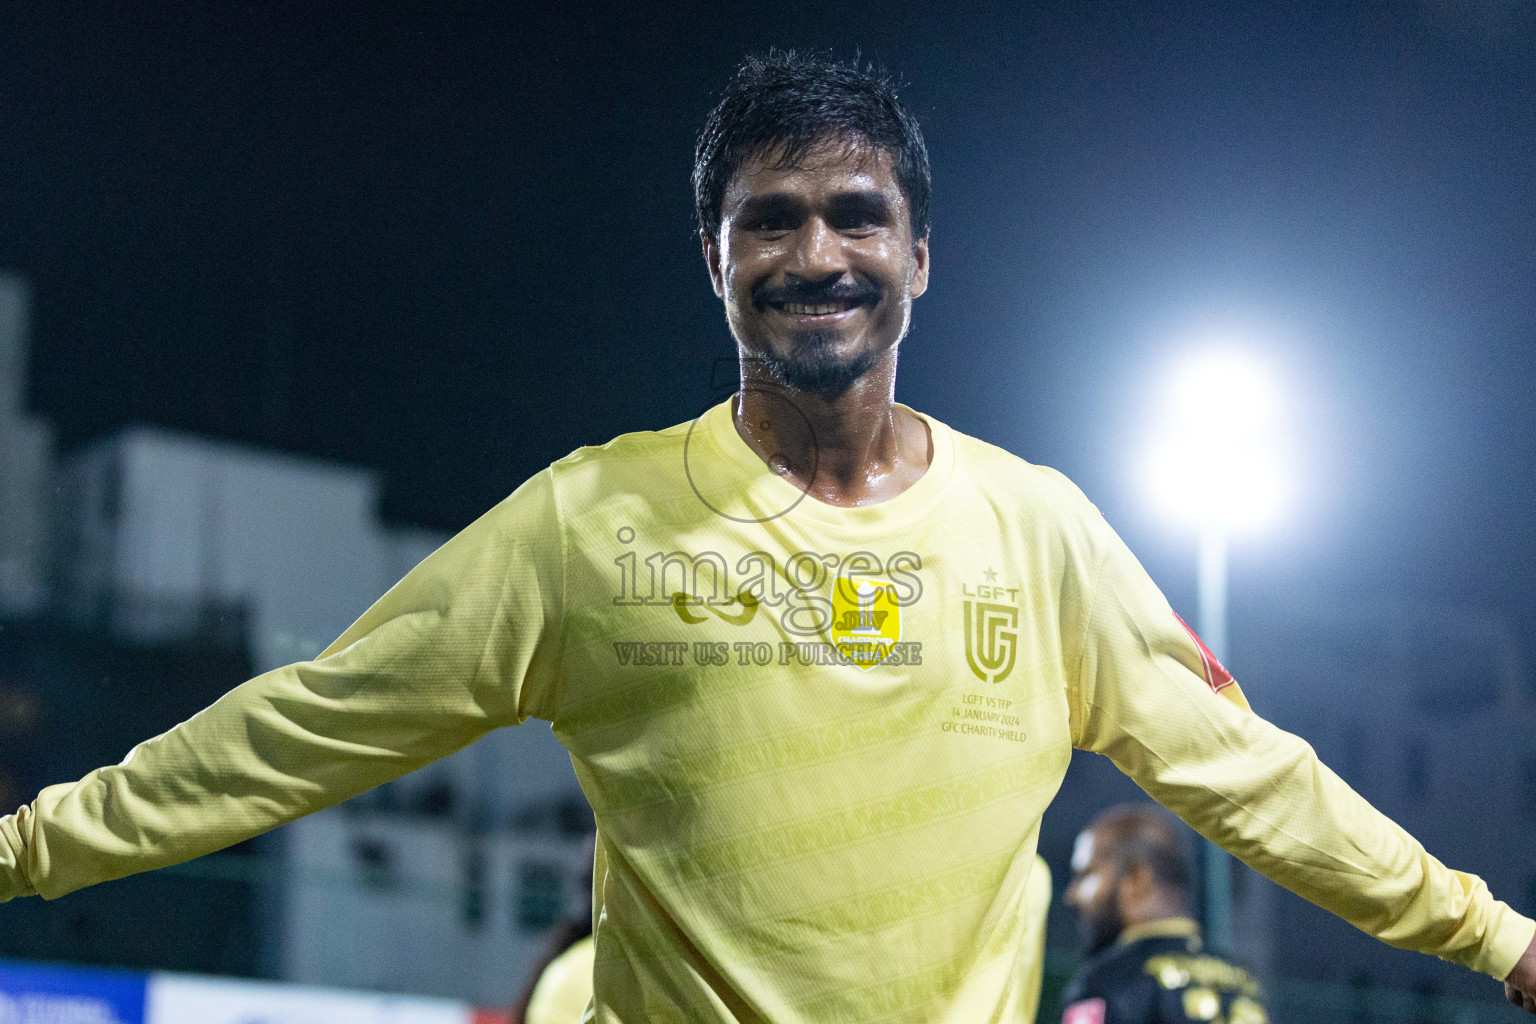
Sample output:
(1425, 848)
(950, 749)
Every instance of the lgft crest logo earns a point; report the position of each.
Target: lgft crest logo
(991, 629)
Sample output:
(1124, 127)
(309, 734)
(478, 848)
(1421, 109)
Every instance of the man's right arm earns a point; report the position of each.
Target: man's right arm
(468, 641)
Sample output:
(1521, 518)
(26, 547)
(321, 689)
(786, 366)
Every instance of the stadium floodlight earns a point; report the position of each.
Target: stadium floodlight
(1216, 463)
(1215, 459)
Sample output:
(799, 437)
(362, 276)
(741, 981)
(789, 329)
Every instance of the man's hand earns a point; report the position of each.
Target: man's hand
(1520, 986)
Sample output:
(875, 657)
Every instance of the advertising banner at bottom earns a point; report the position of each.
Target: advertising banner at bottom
(184, 999)
(45, 994)
(34, 994)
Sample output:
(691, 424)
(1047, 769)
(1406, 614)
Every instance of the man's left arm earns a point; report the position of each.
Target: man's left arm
(1146, 696)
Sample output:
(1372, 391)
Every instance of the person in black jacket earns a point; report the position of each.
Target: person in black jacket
(1131, 891)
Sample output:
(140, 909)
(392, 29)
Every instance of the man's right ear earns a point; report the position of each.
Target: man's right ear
(712, 261)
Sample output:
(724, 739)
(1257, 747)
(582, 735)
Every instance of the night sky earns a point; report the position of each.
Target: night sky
(454, 243)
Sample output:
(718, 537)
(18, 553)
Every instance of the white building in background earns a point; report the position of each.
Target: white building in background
(26, 451)
(162, 525)
(392, 903)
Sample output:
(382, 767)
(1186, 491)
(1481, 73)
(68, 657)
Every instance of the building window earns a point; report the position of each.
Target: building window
(540, 895)
(375, 864)
(472, 897)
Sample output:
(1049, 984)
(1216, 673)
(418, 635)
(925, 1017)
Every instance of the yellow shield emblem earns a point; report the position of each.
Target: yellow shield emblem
(866, 620)
(991, 639)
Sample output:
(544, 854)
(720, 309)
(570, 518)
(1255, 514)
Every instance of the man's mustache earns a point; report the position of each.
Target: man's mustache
(811, 293)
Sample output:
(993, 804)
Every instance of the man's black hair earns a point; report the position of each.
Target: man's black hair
(792, 103)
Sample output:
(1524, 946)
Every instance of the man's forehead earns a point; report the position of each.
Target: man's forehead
(833, 166)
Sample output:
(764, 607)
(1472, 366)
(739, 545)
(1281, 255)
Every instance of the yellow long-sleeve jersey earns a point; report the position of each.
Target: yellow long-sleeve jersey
(564, 990)
(817, 740)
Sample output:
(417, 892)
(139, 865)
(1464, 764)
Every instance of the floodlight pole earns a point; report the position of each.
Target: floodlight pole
(1213, 590)
(1212, 583)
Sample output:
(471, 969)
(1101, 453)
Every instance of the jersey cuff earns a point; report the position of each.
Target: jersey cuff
(13, 879)
(1506, 943)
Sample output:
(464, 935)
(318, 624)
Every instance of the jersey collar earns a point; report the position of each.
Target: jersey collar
(908, 508)
(1167, 928)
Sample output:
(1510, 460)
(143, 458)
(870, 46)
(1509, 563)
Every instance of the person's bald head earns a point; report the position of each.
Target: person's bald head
(1128, 868)
(1140, 835)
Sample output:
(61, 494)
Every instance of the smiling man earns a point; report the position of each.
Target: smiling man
(815, 233)
(819, 660)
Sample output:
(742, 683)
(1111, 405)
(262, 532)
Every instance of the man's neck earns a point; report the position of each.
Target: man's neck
(858, 448)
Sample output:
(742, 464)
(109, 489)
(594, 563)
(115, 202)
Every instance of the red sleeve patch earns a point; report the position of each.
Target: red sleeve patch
(1216, 675)
(1088, 1011)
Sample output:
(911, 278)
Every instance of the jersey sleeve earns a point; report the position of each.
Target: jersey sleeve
(1145, 696)
(466, 642)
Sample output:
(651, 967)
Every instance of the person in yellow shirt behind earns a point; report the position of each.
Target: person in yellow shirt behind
(564, 988)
